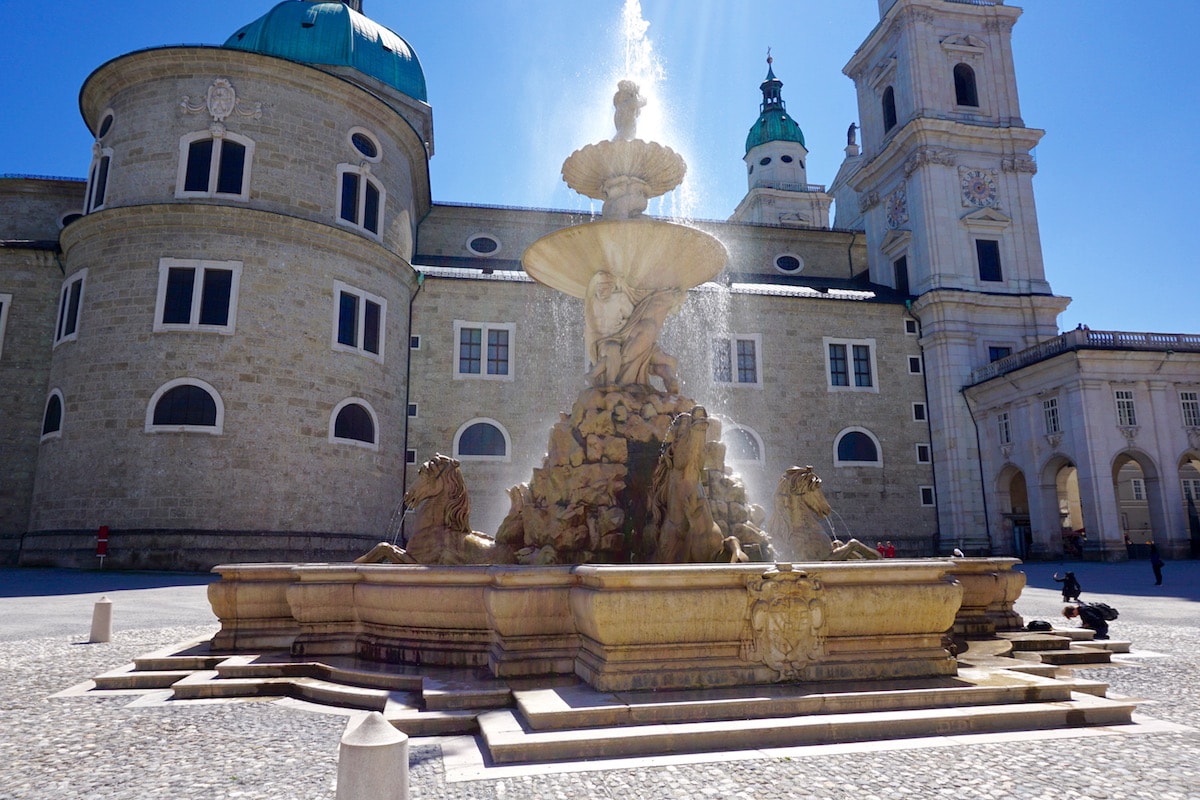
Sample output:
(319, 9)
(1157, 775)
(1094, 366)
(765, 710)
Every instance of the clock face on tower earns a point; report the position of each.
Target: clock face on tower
(978, 187)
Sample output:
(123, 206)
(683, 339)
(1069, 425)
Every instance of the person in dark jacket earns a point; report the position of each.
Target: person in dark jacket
(1090, 617)
(1071, 587)
(1156, 563)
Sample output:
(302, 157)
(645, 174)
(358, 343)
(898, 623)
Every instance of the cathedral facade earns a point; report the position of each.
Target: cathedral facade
(238, 335)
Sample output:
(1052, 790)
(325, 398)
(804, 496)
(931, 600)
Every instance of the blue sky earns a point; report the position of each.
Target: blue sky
(516, 85)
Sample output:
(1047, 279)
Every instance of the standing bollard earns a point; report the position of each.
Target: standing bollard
(372, 760)
(101, 621)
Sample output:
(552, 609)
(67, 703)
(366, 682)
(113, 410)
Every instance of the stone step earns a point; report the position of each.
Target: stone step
(130, 677)
(208, 685)
(580, 706)
(508, 741)
(1034, 641)
(1076, 656)
(240, 667)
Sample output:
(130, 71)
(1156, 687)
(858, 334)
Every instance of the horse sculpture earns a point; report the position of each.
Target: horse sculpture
(681, 526)
(797, 525)
(442, 532)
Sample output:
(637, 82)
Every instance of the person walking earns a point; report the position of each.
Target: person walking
(1156, 563)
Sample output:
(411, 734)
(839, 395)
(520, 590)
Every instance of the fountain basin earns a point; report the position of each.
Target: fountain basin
(591, 169)
(640, 253)
(617, 627)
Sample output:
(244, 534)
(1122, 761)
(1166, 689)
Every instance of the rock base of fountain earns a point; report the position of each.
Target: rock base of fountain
(589, 501)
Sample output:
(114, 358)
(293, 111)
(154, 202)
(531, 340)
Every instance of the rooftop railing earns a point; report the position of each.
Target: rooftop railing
(1085, 339)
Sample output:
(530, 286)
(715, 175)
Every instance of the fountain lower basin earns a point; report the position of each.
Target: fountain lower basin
(618, 627)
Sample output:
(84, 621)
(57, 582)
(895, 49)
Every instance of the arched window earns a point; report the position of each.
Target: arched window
(965, 91)
(53, 416)
(360, 198)
(482, 440)
(185, 405)
(353, 421)
(889, 109)
(214, 166)
(856, 447)
(743, 444)
(97, 185)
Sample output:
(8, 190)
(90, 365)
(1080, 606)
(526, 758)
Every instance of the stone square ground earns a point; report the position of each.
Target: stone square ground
(102, 747)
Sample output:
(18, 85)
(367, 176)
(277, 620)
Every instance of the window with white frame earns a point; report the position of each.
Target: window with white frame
(197, 295)
(1138, 488)
(360, 198)
(214, 165)
(482, 439)
(927, 497)
(743, 445)
(97, 185)
(857, 447)
(1189, 403)
(924, 454)
(353, 421)
(918, 412)
(1126, 414)
(185, 405)
(5, 303)
(914, 365)
(359, 320)
(850, 364)
(66, 329)
(483, 350)
(735, 360)
(52, 416)
(1191, 489)
(1050, 416)
(1004, 428)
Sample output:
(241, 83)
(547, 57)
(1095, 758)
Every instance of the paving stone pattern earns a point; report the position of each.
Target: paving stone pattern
(99, 747)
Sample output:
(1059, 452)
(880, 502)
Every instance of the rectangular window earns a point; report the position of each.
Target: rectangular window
(360, 199)
(850, 364)
(214, 166)
(97, 182)
(1050, 415)
(199, 165)
(1138, 487)
(914, 365)
(1126, 416)
(197, 295)
(900, 270)
(918, 412)
(997, 353)
(483, 350)
(410, 456)
(927, 498)
(5, 302)
(412, 409)
(414, 342)
(910, 327)
(359, 320)
(735, 360)
(1190, 404)
(924, 455)
(1004, 428)
(988, 253)
(67, 326)
(1191, 489)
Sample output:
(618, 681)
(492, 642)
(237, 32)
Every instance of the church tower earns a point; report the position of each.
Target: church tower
(778, 189)
(945, 187)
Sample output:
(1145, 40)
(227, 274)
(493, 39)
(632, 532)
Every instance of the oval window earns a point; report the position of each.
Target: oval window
(762, 162)
(483, 245)
(365, 145)
(786, 159)
(788, 263)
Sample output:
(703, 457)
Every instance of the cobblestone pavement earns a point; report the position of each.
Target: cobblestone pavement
(100, 747)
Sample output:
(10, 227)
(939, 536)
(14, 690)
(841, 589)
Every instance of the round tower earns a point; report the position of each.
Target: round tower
(230, 346)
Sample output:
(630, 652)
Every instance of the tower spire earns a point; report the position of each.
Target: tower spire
(771, 87)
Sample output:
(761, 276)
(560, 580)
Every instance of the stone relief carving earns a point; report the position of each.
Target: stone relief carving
(928, 155)
(867, 201)
(785, 621)
(999, 24)
(1019, 164)
(220, 101)
(1130, 433)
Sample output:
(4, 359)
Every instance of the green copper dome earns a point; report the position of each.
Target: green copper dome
(774, 124)
(333, 34)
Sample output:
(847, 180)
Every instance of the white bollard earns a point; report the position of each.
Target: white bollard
(101, 621)
(372, 760)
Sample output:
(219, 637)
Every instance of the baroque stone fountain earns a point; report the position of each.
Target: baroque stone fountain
(598, 569)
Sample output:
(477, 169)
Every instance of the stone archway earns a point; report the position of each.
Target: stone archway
(1012, 494)
(1058, 530)
(1137, 487)
(1189, 479)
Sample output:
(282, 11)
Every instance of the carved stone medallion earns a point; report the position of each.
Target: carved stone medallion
(221, 101)
(785, 621)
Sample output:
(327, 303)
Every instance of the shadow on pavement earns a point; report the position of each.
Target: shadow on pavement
(44, 582)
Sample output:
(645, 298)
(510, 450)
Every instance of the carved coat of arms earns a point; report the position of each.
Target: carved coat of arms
(785, 621)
